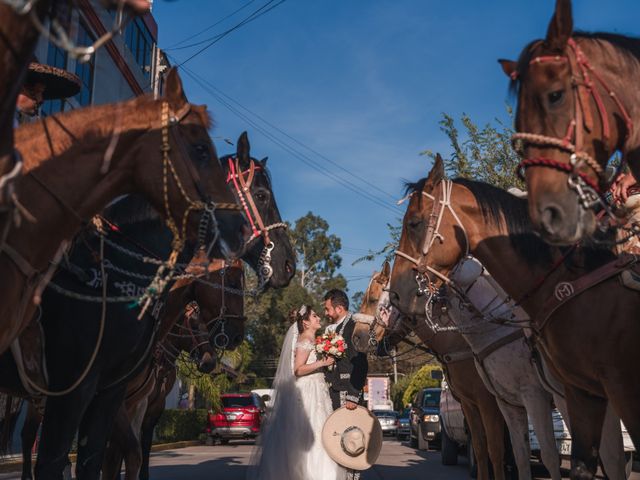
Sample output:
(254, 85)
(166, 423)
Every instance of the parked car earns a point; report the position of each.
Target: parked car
(388, 421)
(266, 394)
(404, 424)
(456, 436)
(425, 418)
(241, 418)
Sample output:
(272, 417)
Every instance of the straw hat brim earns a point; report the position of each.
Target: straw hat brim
(335, 426)
(58, 83)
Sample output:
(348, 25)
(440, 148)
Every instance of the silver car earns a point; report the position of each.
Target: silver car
(388, 421)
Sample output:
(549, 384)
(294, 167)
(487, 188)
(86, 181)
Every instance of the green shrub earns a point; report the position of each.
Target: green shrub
(181, 425)
(419, 380)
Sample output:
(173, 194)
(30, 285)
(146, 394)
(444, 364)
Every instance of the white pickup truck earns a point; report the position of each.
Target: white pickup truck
(456, 436)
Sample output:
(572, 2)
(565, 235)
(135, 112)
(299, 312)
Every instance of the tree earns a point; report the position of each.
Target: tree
(317, 251)
(268, 313)
(484, 154)
(419, 380)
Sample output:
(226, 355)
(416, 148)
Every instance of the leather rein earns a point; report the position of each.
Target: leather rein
(582, 78)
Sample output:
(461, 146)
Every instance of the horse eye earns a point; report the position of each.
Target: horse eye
(555, 97)
(261, 196)
(415, 223)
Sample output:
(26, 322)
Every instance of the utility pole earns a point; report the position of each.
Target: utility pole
(395, 366)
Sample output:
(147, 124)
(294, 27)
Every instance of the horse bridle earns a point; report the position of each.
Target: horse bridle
(588, 191)
(242, 182)
(425, 285)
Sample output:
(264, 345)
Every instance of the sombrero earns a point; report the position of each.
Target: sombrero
(352, 438)
(58, 83)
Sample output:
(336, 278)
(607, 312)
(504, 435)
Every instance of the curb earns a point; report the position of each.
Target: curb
(14, 463)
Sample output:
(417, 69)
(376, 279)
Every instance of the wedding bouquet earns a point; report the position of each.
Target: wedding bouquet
(330, 345)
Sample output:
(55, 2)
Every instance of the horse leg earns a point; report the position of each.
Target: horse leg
(493, 424)
(586, 413)
(478, 438)
(28, 435)
(149, 423)
(516, 418)
(133, 455)
(118, 443)
(59, 427)
(95, 429)
(538, 404)
(612, 447)
(623, 396)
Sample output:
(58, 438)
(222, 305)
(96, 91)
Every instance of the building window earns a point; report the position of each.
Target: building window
(85, 70)
(140, 43)
(56, 57)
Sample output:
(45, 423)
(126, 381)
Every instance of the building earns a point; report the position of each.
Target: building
(128, 65)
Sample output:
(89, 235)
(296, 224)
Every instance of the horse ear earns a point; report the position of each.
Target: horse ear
(243, 148)
(436, 174)
(509, 67)
(264, 161)
(386, 269)
(173, 91)
(560, 26)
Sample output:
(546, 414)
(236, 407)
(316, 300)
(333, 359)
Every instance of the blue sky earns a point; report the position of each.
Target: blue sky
(364, 84)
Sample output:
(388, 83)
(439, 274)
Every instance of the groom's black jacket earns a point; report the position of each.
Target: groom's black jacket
(350, 372)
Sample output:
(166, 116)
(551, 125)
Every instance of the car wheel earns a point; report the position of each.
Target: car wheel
(209, 441)
(224, 441)
(448, 450)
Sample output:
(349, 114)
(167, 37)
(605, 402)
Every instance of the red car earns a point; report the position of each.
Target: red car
(241, 418)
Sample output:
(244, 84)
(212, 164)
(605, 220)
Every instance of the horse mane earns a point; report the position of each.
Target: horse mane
(130, 209)
(98, 121)
(625, 45)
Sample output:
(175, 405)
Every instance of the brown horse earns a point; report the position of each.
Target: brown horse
(160, 148)
(219, 324)
(18, 39)
(481, 411)
(575, 109)
(588, 342)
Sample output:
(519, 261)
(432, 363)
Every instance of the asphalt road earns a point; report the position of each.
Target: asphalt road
(396, 462)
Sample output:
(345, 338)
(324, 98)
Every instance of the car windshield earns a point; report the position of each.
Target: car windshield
(385, 413)
(431, 398)
(236, 402)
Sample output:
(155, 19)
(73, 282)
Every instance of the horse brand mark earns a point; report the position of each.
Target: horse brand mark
(563, 290)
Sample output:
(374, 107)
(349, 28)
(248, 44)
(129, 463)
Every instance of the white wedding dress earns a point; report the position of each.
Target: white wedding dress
(290, 444)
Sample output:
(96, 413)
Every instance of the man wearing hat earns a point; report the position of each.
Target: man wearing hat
(43, 82)
(347, 378)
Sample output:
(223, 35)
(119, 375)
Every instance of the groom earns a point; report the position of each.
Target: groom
(346, 380)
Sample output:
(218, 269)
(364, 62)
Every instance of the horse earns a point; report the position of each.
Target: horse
(481, 411)
(575, 109)
(269, 246)
(160, 148)
(18, 39)
(217, 308)
(446, 219)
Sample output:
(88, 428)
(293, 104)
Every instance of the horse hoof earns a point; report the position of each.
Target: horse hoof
(579, 471)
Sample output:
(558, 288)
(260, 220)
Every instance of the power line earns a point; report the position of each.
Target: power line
(173, 47)
(288, 148)
(306, 147)
(255, 15)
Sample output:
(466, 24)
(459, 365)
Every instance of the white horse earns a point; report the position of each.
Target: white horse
(505, 363)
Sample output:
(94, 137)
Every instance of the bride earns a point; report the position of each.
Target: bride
(290, 445)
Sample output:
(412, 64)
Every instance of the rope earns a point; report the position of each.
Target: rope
(81, 378)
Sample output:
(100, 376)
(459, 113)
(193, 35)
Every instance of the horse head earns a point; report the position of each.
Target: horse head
(376, 315)
(269, 250)
(180, 173)
(570, 119)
